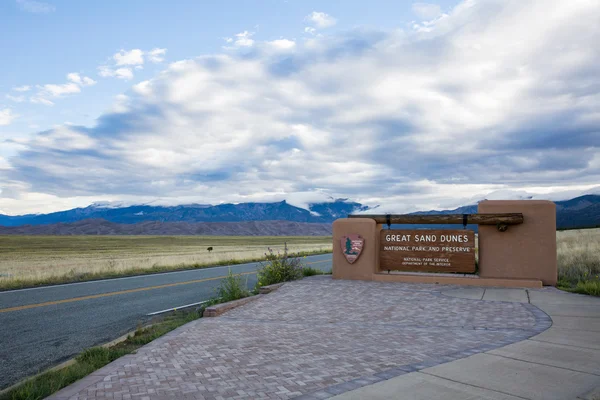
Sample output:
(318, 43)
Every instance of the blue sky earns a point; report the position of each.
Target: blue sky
(403, 104)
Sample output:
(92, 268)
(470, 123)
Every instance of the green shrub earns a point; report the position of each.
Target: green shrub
(232, 287)
(588, 287)
(279, 268)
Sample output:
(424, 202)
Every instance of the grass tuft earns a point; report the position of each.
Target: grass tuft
(310, 271)
(232, 287)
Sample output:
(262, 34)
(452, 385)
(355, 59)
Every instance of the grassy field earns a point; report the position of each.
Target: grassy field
(27, 260)
(578, 256)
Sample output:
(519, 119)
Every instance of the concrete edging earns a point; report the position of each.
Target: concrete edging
(270, 288)
(219, 309)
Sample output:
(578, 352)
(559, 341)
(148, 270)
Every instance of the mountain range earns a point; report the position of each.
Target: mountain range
(279, 218)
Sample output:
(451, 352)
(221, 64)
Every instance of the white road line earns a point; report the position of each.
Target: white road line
(177, 308)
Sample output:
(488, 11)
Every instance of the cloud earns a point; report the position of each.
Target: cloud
(131, 57)
(40, 100)
(121, 73)
(4, 165)
(121, 104)
(78, 79)
(156, 55)
(320, 20)
(310, 30)
(16, 99)
(242, 39)
(143, 88)
(51, 90)
(415, 119)
(124, 61)
(24, 88)
(59, 90)
(282, 44)
(6, 116)
(426, 10)
(37, 7)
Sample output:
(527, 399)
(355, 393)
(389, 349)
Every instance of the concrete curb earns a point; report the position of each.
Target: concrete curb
(219, 309)
(270, 288)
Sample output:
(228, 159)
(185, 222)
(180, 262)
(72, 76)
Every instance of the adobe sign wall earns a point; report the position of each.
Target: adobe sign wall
(522, 256)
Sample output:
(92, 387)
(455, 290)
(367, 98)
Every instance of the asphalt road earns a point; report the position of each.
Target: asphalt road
(42, 327)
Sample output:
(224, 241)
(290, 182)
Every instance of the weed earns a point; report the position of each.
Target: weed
(232, 287)
(279, 268)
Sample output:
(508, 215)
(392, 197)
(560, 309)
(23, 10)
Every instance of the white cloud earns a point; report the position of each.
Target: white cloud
(156, 55)
(6, 117)
(64, 138)
(143, 88)
(320, 20)
(40, 100)
(242, 39)
(131, 57)
(121, 73)
(16, 99)
(55, 90)
(23, 88)
(37, 7)
(125, 61)
(78, 79)
(282, 44)
(121, 104)
(4, 165)
(426, 10)
(310, 30)
(51, 90)
(407, 119)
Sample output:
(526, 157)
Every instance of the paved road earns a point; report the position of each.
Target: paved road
(42, 327)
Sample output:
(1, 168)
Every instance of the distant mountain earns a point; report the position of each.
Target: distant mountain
(278, 218)
(280, 211)
(103, 227)
(580, 212)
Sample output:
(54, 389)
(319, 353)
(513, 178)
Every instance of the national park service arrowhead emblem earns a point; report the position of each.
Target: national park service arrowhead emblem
(352, 246)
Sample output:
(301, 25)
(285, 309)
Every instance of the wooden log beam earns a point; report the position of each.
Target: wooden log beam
(479, 219)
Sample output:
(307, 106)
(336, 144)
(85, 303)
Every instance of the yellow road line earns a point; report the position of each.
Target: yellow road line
(97, 296)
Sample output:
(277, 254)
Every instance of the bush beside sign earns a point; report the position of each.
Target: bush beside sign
(427, 250)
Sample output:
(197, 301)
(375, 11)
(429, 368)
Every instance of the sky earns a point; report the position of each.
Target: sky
(406, 105)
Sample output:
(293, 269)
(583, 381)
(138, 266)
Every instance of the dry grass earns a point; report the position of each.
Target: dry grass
(578, 255)
(53, 259)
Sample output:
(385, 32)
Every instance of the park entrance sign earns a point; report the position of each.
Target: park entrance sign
(516, 246)
(427, 250)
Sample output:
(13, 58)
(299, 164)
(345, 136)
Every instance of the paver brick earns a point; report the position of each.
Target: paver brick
(315, 338)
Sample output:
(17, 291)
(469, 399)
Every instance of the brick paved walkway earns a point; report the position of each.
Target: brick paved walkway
(312, 339)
